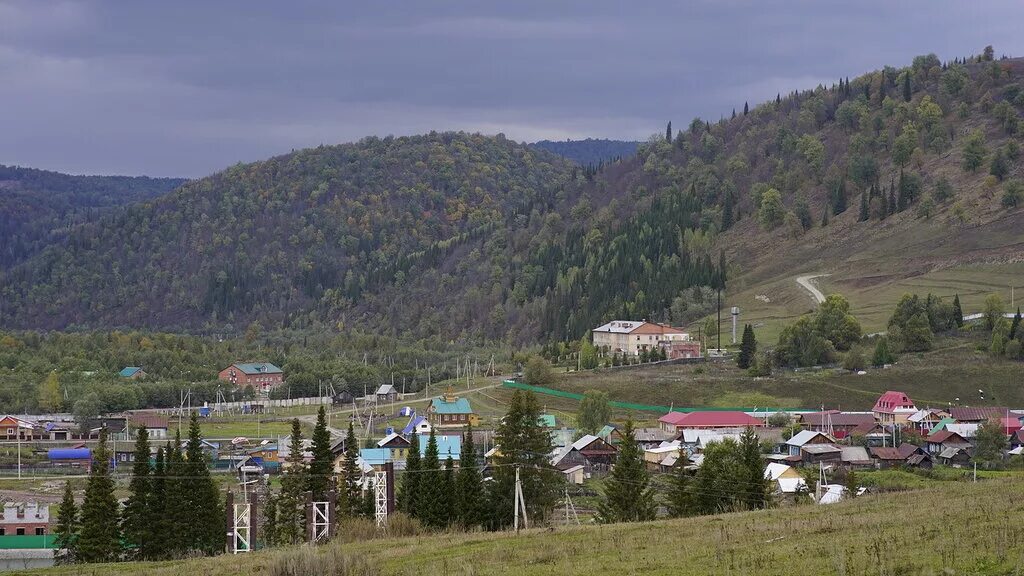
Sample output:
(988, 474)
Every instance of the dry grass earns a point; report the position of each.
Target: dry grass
(954, 528)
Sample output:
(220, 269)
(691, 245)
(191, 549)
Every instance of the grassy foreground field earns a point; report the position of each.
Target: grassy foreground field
(955, 528)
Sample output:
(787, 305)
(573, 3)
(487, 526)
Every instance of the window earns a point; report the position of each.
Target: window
(40, 531)
(3, 531)
(21, 531)
(10, 431)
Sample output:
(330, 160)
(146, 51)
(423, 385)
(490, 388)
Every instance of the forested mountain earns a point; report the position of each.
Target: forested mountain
(589, 152)
(38, 207)
(465, 236)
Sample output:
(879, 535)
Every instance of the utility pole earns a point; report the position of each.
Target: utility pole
(519, 504)
(719, 330)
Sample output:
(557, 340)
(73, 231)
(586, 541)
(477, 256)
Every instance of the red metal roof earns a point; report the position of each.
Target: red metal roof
(711, 419)
(891, 400)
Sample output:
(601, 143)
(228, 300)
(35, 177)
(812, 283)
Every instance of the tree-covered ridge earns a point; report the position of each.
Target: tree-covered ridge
(277, 239)
(38, 207)
(590, 151)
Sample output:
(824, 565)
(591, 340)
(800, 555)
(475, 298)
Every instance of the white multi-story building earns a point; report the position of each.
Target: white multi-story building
(630, 337)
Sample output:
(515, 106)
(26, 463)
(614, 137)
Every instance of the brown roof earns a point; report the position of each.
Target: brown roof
(837, 418)
(148, 419)
(886, 453)
(945, 435)
(977, 414)
(653, 328)
(907, 449)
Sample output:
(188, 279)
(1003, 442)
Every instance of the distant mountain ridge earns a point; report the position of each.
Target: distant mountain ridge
(39, 206)
(591, 151)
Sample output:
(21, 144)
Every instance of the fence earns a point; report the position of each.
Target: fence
(245, 405)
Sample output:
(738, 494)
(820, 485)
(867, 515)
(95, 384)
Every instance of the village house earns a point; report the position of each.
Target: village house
(592, 452)
(451, 411)
(695, 440)
(816, 453)
(132, 372)
(676, 421)
(955, 457)
(155, 424)
(262, 376)
(944, 439)
(663, 457)
(893, 408)
(574, 475)
(14, 428)
(397, 444)
(373, 458)
(855, 457)
(417, 424)
(630, 337)
(905, 454)
(25, 519)
(74, 457)
(796, 444)
(839, 424)
(784, 479)
(924, 420)
(978, 414)
(386, 393)
(447, 446)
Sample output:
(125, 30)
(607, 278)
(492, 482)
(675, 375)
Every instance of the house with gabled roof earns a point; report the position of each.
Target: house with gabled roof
(888, 456)
(262, 376)
(676, 421)
(397, 444)
(133, 372)
(893, 407)
(943, 439)
(838, 424)
(451, 411)
(630, 337)
(590, 451)
(796, 444)
(386, 393)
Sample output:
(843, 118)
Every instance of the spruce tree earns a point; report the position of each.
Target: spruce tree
(270, 530)
(137, 522)
(728, 208)
(408, 489)
(432, 510)
(353, 475)
(291, 514)
(668, 131)
(1015, 325)
(864, 215)
(522, 443)
(66, 529)
(628, 496)
(449, 493)
(746, 108)
(882, 355)
(470, 485)
(958, 312)
(178, 520)
(321, 465)
(203, 505)
(680, 497)
(893, 203)
(907, 94)
(100, 539)
(839, 198)
(754, 484)
(748, 347)
(158, 508)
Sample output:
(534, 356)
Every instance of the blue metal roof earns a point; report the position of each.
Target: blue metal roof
(446, 446)
(129, 371)
(412, 425)
(69, 453)
(460, 406)
(375, 456)
(257, 368)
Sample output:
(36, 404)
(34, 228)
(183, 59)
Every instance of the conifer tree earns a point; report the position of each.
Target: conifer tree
(1015, 325)
(882, 355)
(680, 498)
(746, 108)
(203, 505)
(66, 529)
(907, 94)
(524, 443)
(137, 522)
(628, 496)
(883, 208)
(320, 466)
(176, 514)
(158, 508)
(100, 535)
(668, 131)
(270, 530)
(470, 485)
(893, 204)
(291, 515)
(408, 489)
(353, 475)
(430, 501)
(449, 493)
(748, 347)
(864, 215)
(728, 208)
(958, 312)
(839, 198)
(754, 484)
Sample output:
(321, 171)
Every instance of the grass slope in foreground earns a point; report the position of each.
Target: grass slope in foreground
(958, 528)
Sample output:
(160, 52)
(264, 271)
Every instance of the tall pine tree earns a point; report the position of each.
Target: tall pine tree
(408, 489)
(320, 466)
(431, 500)
(353, 475)
(66, 529)
(748, 347)
(628, 495)
(522, 443)
(470, 485)
(754, 484)
(158, 508)
(178, 518)
(291, 514)
(100, 540)
(206, 533)
(137, 522)
(958, 312)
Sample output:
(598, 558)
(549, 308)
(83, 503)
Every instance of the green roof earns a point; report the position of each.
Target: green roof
(130, 371)
(258, 368)
(460, 406)
(941, 425)
(606, 431)
(546, 420)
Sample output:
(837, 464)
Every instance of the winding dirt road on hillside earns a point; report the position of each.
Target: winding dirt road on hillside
(806, 284)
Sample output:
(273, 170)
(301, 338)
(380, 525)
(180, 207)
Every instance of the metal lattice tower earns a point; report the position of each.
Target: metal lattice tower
(380, 490)
(321, 521)
(242, 533)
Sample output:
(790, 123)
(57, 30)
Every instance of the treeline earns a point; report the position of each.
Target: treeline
(53, 372)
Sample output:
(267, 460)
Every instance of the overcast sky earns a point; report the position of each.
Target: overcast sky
(187, 88)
